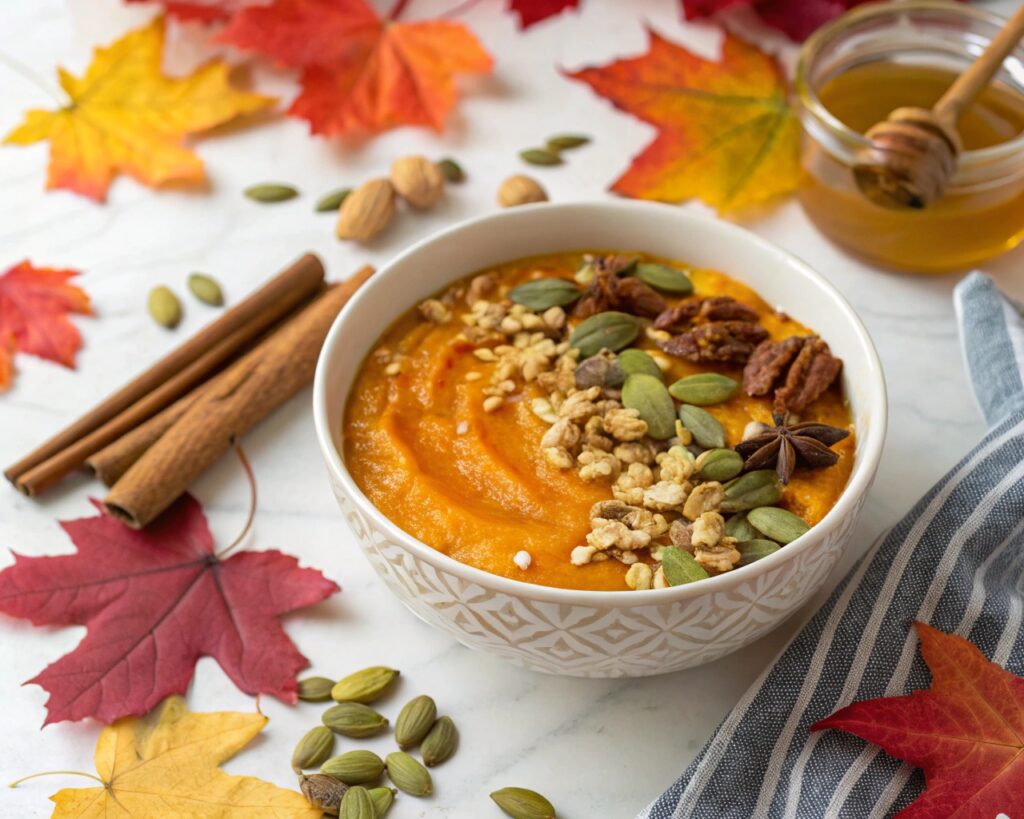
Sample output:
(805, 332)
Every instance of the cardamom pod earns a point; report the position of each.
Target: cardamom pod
(540, 294)
(601, 370)
(778, 524)
(540, 156)
(664, 278)
(704, 389)
(408, 775)
(719, 465)
(164, 307)
(315, 689)
(354, 767)
(610, 330)
(323, 792)
(522, 803)
(414, 721)
(758, 488)
(206, 289)
(364, 686)
(637, 362)
(271, 192)
(440, 743)
(353, 719)
(382, 799)
(755, 549)
(566, 142)
(705, 428)
(451, 170)
(357, 804)
(648, 396)
(739, 527)
(313, 748)
(680, 567)
(333, 200)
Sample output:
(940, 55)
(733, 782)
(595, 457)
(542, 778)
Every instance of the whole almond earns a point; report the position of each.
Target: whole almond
(520, 190)
(366, 211)
(418, 181)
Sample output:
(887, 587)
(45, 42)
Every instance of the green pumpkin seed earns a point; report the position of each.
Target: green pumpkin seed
(440, 743)
(357, 804)
(664, 278)
(313, 748)
(705, 428)
(382, 800)
(566, 142)
(354, 767)
(750, 491)
(271, 192)
(637, 362)
(323, 792)
(414, 721)
(719, 465)
(451, 170)
(365, 685)
(609, 330)
(778, 524)
(164, 307)
(540, 156)
(648, 396)
(408, 775)
(333, 200)
(541, 294)
(206, 289)
(680, 567)
(353, 719)
(755, 549)
(739, 527)
(522, 803)
(704, 389)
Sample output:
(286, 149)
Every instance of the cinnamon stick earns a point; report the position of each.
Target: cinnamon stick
(234, 402)
(202, 354)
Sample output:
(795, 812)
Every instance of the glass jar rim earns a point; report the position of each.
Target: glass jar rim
(809, 99)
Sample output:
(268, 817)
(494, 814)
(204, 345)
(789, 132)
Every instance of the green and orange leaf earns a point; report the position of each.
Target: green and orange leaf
(125, 116)
(726, 133)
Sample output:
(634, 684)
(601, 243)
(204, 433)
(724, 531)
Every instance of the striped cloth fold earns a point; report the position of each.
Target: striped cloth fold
(955, 561)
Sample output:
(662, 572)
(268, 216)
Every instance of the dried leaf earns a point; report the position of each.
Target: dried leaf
(34, 303)
(798, 18)
(124, 116)
(165, 765)
(153, 602)
(530, 12)
(726, 133)
(966, 731)
(203, 11)
(361, 73)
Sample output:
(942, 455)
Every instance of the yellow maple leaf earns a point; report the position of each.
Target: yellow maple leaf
(164, 766)
(125, 116)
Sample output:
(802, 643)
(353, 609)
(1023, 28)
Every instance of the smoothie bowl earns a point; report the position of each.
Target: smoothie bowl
(600, 439)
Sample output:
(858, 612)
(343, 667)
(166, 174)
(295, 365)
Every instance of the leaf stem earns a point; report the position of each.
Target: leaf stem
(247, 467)
(397, 9)
(54, 773)
(27, 73)
(460, 8)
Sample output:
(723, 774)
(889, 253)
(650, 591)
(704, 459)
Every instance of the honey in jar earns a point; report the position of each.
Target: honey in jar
(877, 59)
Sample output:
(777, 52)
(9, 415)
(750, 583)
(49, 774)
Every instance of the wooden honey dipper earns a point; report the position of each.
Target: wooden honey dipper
(913, 153)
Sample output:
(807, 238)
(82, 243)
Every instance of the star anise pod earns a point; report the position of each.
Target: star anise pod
(785, 445)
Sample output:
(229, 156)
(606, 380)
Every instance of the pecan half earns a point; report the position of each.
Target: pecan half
(719, 341)
(608, 291)
(715, 308)
(768, 362)
(811, 373)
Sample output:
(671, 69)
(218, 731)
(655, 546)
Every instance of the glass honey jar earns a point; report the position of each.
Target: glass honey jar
(852, 74)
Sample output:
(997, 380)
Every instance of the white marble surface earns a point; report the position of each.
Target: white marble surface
(598, 748)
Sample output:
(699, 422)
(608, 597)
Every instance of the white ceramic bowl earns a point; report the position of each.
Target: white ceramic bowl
(587, 633)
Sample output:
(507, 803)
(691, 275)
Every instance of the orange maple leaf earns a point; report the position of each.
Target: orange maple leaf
(123, 115)
(726, 133)
(361, 73)
(34, 303)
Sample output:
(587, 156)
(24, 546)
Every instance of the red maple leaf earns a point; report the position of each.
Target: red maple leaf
(361, 73)
(966, 731)
(533, 11)
(153, 602)
(797, 18)
(34, 303)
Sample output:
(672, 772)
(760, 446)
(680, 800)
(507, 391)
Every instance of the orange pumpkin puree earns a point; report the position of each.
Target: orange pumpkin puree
(474, 485)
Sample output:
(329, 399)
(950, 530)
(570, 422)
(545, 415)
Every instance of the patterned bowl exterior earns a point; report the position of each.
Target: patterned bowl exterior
(589, 641)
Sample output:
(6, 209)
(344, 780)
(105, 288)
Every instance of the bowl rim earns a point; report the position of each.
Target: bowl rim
(858, 484)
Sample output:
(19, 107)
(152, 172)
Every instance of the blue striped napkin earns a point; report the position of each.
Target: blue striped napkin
(956, 562)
